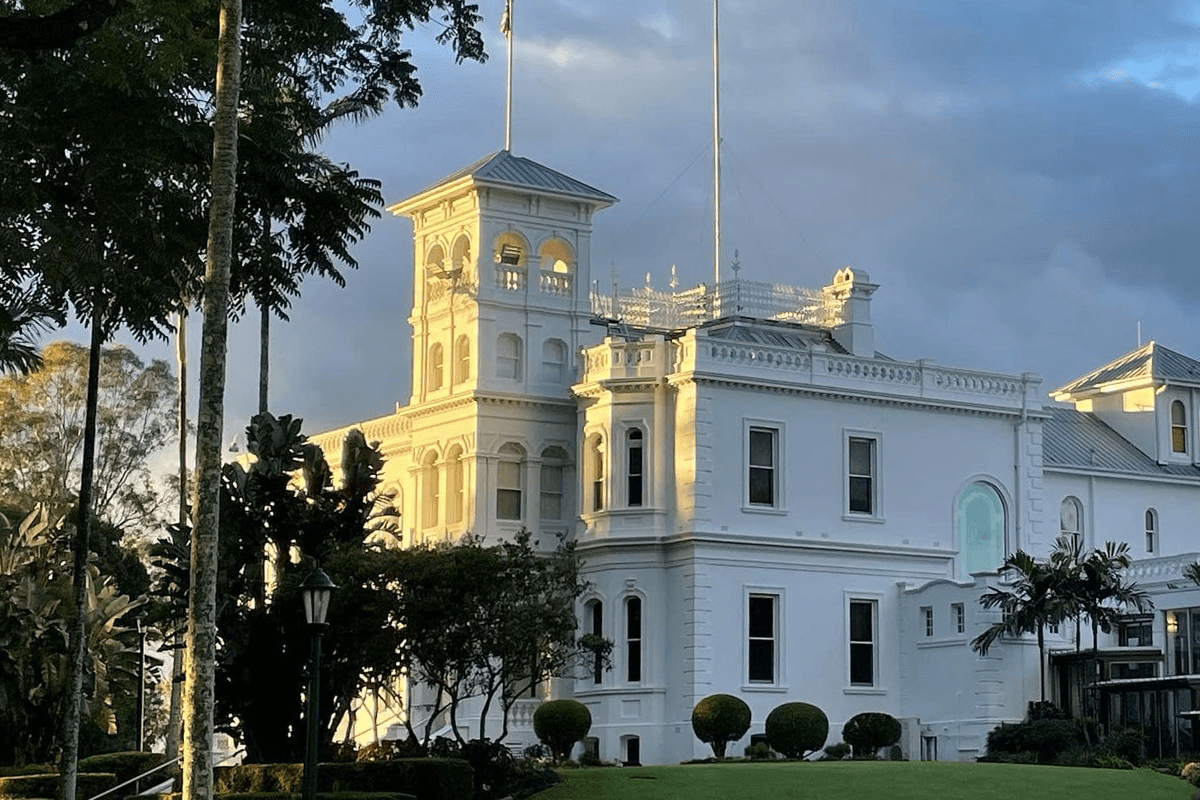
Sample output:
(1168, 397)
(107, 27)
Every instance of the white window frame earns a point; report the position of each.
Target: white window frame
(430, 491)
(779, 440)
(596, 452)
(590, 607)
(875, 601)
(509, 368)
(437, 367)
(876, 512)
(554, 371)
(1181, 427)
(927, 620)
(640, 427)
(455, 486)
(959, 612)
(778, 595)
(1151, 530)
(558, 495)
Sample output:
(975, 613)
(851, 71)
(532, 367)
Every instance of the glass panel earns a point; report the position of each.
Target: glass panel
(762, 486)
(980, 529)
(1178, 415)
(508, 504)
(862, 664)
(1178, 439)
(860, 495)
(861, 629)
(762, 660)
(1194, 638)
(762, 617)
(509, 474)
(635, 662)
(762, 448)
(860, 456)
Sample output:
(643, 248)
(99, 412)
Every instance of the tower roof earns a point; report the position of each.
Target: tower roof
(1150, 365)
(504, 169)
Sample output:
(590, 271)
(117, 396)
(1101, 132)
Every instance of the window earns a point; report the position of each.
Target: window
(634, 466)
(460, 253)
(1151, 529)
(862, 642)
(430, 490)
(763, 456)
(595, 472)
(552, 483)
(1136, 632)
(462, 359)
(633, 639)
(927, 617)
(594, 612)
(508, 482)
(1179, 431)
(554, 360)
(860, 493)
(508, 357)
(1070, 519)
(435, 367)
(981, 524)
(761, 627)
(454, 485)
(960, 617)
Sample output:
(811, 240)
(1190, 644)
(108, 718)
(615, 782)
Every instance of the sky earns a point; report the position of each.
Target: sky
(1021, 178)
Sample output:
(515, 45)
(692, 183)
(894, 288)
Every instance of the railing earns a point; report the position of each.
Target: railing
(670, 310)
(521, 713)
(1160, 570)
(240, 751)
(556, 283)
(510, 279)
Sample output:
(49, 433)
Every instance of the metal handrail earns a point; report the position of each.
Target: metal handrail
(164, 765)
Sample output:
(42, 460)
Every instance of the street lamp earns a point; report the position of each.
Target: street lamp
(315, 591)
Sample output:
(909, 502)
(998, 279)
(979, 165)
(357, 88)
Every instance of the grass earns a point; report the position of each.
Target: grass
(854, 780)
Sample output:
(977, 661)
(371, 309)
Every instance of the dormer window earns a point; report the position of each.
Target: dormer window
(1179, 431)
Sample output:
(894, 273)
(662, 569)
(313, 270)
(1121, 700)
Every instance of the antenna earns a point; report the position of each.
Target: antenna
(1139, 330)
(506, 29)
(716, 146)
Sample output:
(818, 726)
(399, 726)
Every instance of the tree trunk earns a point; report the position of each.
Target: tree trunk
(264, 357)
(1042, 659)
(83, 526)
(175, 713)
(202, 606)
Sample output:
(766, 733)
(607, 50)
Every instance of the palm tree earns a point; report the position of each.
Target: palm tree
(22, 317)
(1106, 596)
(1032, 600)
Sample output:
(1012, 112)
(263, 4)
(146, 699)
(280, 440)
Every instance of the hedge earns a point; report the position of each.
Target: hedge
(88, 784)
(125, 766)
(296, 796)
(425, 778)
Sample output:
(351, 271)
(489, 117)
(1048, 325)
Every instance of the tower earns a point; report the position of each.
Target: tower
(501, 307)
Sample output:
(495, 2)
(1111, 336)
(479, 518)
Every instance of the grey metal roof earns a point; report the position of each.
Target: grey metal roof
(1154, 363)
(1073, 438)
(506, 169)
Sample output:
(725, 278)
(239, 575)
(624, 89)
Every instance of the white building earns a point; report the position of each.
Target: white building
(768, 507)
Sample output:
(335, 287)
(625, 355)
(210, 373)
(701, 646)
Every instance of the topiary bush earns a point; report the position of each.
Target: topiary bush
(560, 724)
(871, 730)
(719, 719)
(1046, 737)
(797, 729)
(836, 752)
(87, 784)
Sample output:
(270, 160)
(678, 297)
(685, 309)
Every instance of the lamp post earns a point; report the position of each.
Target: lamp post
(315, 591)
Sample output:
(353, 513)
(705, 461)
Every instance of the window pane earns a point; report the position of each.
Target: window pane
(860, 456)
(634, 662)
(861, 629)
(1178, 439)
(860, 495)
(633, 614)
(762, 617)
(762, 660)
(509, 474)
(551, 507)
(762, 486)
(508, 504)
(762, 448)
(862, 664)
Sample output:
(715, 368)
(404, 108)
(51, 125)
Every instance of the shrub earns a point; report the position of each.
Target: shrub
(88, 784)
(125, 766)
(759, 751)
(1044, 709)
(719, 719)
(28, 769)
(390, 750)
(836, 752)
(1046, 737)
(560, 724)
(426, 778)
(796, 729)
(1128, 744)
(1191, 773)
(869, 731)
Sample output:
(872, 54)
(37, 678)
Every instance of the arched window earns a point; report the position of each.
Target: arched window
(435, 366)
(462, 359)
(551, 505)
(1151, 529)
(594, 472)
(593, 616)
(1179, 431)
(981, 524)
(435, 272)
(1070, 519)
(633, 639)
(430, 490)
(455, 494)
(509, 255)
(634, 467)
(508, 357)
(554, 360)
(508, 481)
(460, 253)
(557, 265)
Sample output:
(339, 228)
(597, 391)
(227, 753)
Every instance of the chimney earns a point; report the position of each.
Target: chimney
(849, 303)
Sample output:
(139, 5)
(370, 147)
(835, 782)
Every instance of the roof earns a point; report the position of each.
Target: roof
(1073, 438)
(502, 168)
(1152, 364)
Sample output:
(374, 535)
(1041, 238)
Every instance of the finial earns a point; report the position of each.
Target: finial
(674, 279)
(737, 265)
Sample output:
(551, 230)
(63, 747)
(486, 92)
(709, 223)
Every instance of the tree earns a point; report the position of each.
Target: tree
(1098, 586)
(719, 719)
(22, 318)
(1034, 596)
(41, 433)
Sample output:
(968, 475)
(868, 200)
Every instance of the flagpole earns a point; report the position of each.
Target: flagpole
(506, 27)
(716, 148)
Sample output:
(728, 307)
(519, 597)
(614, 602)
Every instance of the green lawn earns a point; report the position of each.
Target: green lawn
(856, 780)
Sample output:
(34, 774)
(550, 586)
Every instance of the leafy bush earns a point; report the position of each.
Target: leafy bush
(589, 758)
(796, 729)
(719, 719)
(537, 752)
(125, 766)
(1044, 709)
(426, 778)
(1109, 761)
(869, 731)
(560, 724)
(1009, 758)
(759, 751)
(836, 752)
(88, 784)
(1128, 744)
(28, 769)
(1191, 773)
(390, 749)
(1045, 737)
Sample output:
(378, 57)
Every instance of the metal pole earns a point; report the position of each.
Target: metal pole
(716, 148)
(508, 15)
(141, 695)
(314, 705)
